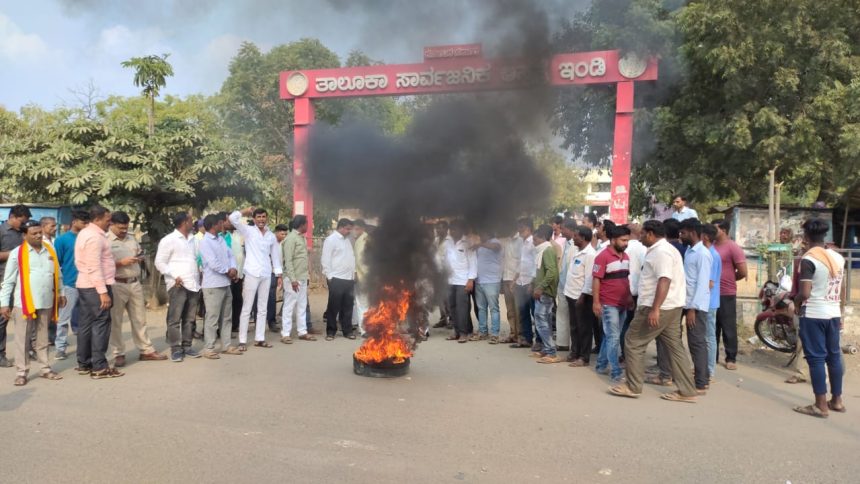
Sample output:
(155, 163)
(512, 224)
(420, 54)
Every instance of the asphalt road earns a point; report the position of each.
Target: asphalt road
(465, 413)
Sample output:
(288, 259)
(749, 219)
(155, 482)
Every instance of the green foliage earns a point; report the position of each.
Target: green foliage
(67, 159)
(150, 73)
(568, 191)
(745, 87)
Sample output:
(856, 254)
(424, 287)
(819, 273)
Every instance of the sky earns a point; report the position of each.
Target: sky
(50, 47)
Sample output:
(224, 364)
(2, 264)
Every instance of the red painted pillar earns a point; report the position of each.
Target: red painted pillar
(621, 153)
(303, 201)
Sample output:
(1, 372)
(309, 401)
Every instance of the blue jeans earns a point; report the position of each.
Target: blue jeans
(820, 338)
(610, 347)
(711, 339)
(543, 324)
(487, 297)
(525, 305)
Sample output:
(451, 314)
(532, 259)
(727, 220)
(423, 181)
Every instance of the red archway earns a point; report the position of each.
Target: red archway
(462, 68)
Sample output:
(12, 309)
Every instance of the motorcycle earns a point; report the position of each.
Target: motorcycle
(776, 324)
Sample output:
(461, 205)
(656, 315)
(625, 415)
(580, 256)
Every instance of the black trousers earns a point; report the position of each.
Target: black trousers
(697, 342)
(93, 331)
(581, 327)
(271, 313)
(341, 299)
(727, 325)
(181, 315)
(236, 291)
(459, 303)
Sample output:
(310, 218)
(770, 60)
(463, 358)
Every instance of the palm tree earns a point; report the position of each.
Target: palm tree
(150, 72)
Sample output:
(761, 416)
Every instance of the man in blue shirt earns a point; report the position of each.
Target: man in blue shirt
(709, 235)
(697, 272)
(65, 246)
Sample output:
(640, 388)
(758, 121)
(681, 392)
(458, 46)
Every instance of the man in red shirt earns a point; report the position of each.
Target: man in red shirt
(734, 269)
(612, 298)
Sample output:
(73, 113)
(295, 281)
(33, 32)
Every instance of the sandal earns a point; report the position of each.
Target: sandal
(242, 347)
(287, 340)
(494, 340)
(578, 363)
(352, 336)
(20, 381)
(677, 397)
(810, 410)
(795, 379)
(835, 409)
(262, 344)
(83, 371)
(231, 351)
(51, 375)
(623, 391)
(550, 359)
(329, 338)
(452, 337)
(520, 345)
(656, 380)
(307, 337)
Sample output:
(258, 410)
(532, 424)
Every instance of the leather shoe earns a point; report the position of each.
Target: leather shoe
(153, 356)
(119, 362)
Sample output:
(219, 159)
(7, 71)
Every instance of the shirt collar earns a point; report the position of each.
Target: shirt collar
(210, 236)
(699, 246)
(543, 244)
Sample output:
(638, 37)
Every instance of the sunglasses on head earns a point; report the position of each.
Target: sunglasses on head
(30, 223)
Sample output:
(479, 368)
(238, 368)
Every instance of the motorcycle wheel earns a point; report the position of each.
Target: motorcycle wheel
(774, 334)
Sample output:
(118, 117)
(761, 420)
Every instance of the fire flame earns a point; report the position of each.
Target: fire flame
(384, 342)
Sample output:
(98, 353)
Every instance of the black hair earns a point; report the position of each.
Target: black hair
(281, 228)
(527, 223)
(344, 222)
(459, 225)
(81, 215)
(592, 218)
(683, 198)
(258, 211)
(617, 231)
(672, 228)
(210, 220)
(692, 224)
(608, 225)
(180, 218)
(222, 215)
(20, 210)
(815, 229)
(442, 223)
(584, 232)
(544, 232)
(656, 227)
(723, 224)
(710, 231)
(567, 214)
(557, 219)
(97, 212)
(120, 218)
(298, 221)
(360, 223)
(30, 224)
(569, 224)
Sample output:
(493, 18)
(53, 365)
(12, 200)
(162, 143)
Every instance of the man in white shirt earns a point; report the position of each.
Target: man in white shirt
(523, 283)
(580, 314)
(513, 248)
(587, 298)
(662, 296)
(562, 315)
(636, 252)
(462, 267)
(819, 303)
(681, 211)
(176, 259)
(262, 258)
(338, 267)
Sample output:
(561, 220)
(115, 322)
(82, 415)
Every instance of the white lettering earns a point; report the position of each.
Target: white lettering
(571, 71)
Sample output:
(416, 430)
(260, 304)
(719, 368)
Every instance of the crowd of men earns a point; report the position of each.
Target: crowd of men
(587, 288)
(595, 288)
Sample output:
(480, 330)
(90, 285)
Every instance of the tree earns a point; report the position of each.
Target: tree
(67, 159)
(745, 87)
(150, 73)
(568, 191)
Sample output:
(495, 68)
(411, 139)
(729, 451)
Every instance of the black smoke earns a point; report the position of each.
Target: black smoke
(465, 156)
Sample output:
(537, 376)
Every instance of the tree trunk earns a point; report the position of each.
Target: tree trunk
(151, 114)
